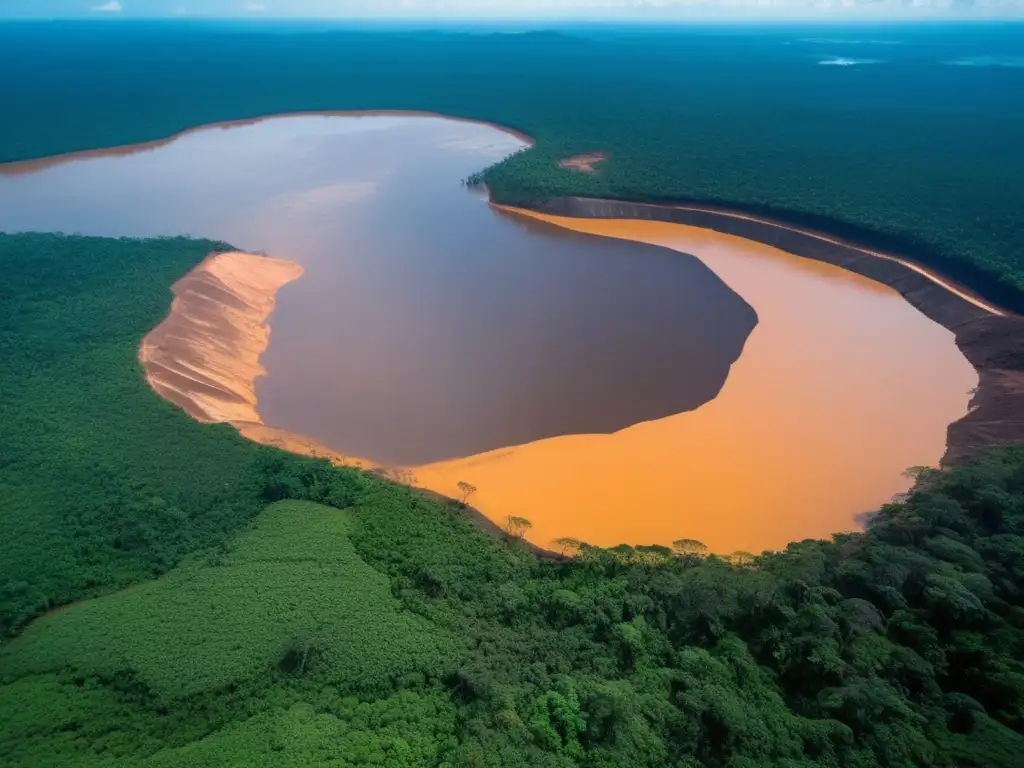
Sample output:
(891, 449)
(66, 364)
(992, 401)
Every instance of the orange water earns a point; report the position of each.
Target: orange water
(430, 325)
(841, 387)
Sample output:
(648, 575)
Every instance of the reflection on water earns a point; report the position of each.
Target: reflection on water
(427, 325)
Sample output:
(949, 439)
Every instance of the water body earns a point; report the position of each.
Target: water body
(841, 387)
(427, 325)
(594, 377)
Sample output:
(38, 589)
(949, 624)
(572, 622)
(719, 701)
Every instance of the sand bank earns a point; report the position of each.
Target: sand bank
(204, 356)
(841, 387)
(793, 447)
(767, 462)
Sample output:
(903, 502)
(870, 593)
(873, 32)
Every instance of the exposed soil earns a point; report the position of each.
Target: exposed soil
(586, 163)
(204, 356)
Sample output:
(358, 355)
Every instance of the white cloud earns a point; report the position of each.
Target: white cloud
(112, 7)
(255, 8)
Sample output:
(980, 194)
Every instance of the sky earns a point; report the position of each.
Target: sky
(578, 10)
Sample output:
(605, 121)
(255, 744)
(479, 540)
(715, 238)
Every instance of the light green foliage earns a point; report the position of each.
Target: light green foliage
(292, 585)
(406, 731)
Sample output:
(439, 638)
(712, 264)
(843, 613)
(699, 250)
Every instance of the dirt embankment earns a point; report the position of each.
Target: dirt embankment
(991, 338)
(204, 357)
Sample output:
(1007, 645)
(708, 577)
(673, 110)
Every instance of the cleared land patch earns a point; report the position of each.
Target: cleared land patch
(291, 593)
(586, 163)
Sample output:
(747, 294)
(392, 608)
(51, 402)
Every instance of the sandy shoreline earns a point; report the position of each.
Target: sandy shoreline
(205, 355)
(205, 358)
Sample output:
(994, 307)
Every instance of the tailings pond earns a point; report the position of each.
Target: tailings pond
(610, 381)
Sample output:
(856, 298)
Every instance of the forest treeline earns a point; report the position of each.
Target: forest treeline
(910, 153)
(173, 595)
(362, 622)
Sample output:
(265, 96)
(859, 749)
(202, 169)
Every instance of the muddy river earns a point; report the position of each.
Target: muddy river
(611, 381)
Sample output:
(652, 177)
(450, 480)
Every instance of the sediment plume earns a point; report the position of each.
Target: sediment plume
(841, 386)
(205, 355)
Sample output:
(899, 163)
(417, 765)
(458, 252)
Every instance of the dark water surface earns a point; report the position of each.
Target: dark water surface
(427, 325)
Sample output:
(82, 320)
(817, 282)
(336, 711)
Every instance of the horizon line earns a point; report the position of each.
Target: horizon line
(654, 21)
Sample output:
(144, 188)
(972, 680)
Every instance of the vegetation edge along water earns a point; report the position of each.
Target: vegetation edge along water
(899, 646)
(220, 573)
(695, 116)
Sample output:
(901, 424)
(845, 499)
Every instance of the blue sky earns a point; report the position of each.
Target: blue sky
(633, 10)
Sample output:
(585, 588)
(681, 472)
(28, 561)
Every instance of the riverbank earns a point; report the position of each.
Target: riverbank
(205, 355)
(861, 399)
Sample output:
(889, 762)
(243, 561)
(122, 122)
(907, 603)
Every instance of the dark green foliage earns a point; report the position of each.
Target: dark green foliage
(858, 651)
(102, 482)
(911, 154)
(397, 633)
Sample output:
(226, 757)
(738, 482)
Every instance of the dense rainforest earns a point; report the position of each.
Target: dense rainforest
(202, 600)
(173, 595)
(909, 151)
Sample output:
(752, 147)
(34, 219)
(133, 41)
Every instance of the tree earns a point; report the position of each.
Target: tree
(465, 490)
(689, 547)
(568, 546)
(741, 558)
(517, 527)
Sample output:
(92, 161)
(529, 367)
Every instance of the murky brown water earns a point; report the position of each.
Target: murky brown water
(429, 326)
(840, 388)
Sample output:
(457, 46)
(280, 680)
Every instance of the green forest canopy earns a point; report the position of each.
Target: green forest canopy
(213, 602)
(356, 621)
(911, 153)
